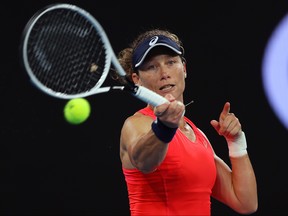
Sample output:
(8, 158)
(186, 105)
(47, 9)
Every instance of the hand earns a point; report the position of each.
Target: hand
(228, 125)
(170, 113)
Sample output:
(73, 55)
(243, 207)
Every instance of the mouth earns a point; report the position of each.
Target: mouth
(166, 88)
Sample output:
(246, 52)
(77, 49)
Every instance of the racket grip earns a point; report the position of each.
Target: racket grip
(149, 96)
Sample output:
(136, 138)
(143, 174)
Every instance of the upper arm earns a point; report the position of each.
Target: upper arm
(223, 184)
(132, 130)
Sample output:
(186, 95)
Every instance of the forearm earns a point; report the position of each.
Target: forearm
(151, 148)
(244, 183)
(243, 176)
(149, 152)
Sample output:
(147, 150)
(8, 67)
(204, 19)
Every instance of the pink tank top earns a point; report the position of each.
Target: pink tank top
(181, 185)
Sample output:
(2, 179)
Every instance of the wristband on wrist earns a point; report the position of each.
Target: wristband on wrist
(164, 133)
(238, 147)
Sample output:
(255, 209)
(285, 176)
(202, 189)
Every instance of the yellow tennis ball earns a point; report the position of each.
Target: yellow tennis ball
(77, 110)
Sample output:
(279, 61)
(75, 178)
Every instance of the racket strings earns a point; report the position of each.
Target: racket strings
(65, 52)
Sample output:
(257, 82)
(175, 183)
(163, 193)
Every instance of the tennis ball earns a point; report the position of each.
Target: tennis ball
(77, 110)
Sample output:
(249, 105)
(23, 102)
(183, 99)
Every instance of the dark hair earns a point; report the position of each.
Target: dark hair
(125, 55)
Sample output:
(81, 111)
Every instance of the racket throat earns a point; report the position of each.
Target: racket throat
(128, 88)
(131, 88)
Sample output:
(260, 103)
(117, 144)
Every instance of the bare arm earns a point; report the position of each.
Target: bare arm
(139, 146)
(235, 187)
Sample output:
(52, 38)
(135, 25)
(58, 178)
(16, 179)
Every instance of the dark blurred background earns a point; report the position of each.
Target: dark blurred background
(49, 167)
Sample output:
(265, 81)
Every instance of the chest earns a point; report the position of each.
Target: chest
(188, 132)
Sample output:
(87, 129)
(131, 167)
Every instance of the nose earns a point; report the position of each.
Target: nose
(164, 71)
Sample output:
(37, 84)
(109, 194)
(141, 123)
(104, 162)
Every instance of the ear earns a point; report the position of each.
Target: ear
(135, 78)
(185, 72)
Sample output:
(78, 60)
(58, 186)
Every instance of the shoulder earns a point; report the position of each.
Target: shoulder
(134, 127)
(137, 121)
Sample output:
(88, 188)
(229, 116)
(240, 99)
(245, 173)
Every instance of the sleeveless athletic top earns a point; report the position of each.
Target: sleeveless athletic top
(181, 185)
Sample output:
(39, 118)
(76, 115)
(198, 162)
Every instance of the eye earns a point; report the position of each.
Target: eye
(148, 67)
(171, 62)
(152, 67)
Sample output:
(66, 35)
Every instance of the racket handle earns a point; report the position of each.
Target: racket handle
(149, 96)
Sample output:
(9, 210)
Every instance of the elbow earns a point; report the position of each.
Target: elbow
(249, 209)
(144, 167)
(145, 171)
(252, 207)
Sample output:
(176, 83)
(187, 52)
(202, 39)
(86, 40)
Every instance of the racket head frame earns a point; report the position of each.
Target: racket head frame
(140, 92)
(110, 55)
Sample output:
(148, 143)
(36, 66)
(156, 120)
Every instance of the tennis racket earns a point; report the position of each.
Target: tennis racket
(67, 54)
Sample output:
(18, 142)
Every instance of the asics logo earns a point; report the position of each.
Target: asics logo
(153, 40)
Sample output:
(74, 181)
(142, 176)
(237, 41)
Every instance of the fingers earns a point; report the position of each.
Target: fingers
(173, 108)
(230, 126)
(170, 114)
(215, 125)
(224, 112)
(160, 109)
(226, 109)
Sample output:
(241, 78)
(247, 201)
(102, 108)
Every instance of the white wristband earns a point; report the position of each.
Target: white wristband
(238, 147)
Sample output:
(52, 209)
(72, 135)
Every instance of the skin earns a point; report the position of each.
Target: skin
(141, 149)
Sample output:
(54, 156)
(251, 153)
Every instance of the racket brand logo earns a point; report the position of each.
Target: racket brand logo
(153, 40)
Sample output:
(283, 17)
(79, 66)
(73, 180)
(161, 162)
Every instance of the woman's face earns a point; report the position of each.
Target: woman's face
(162, 72)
